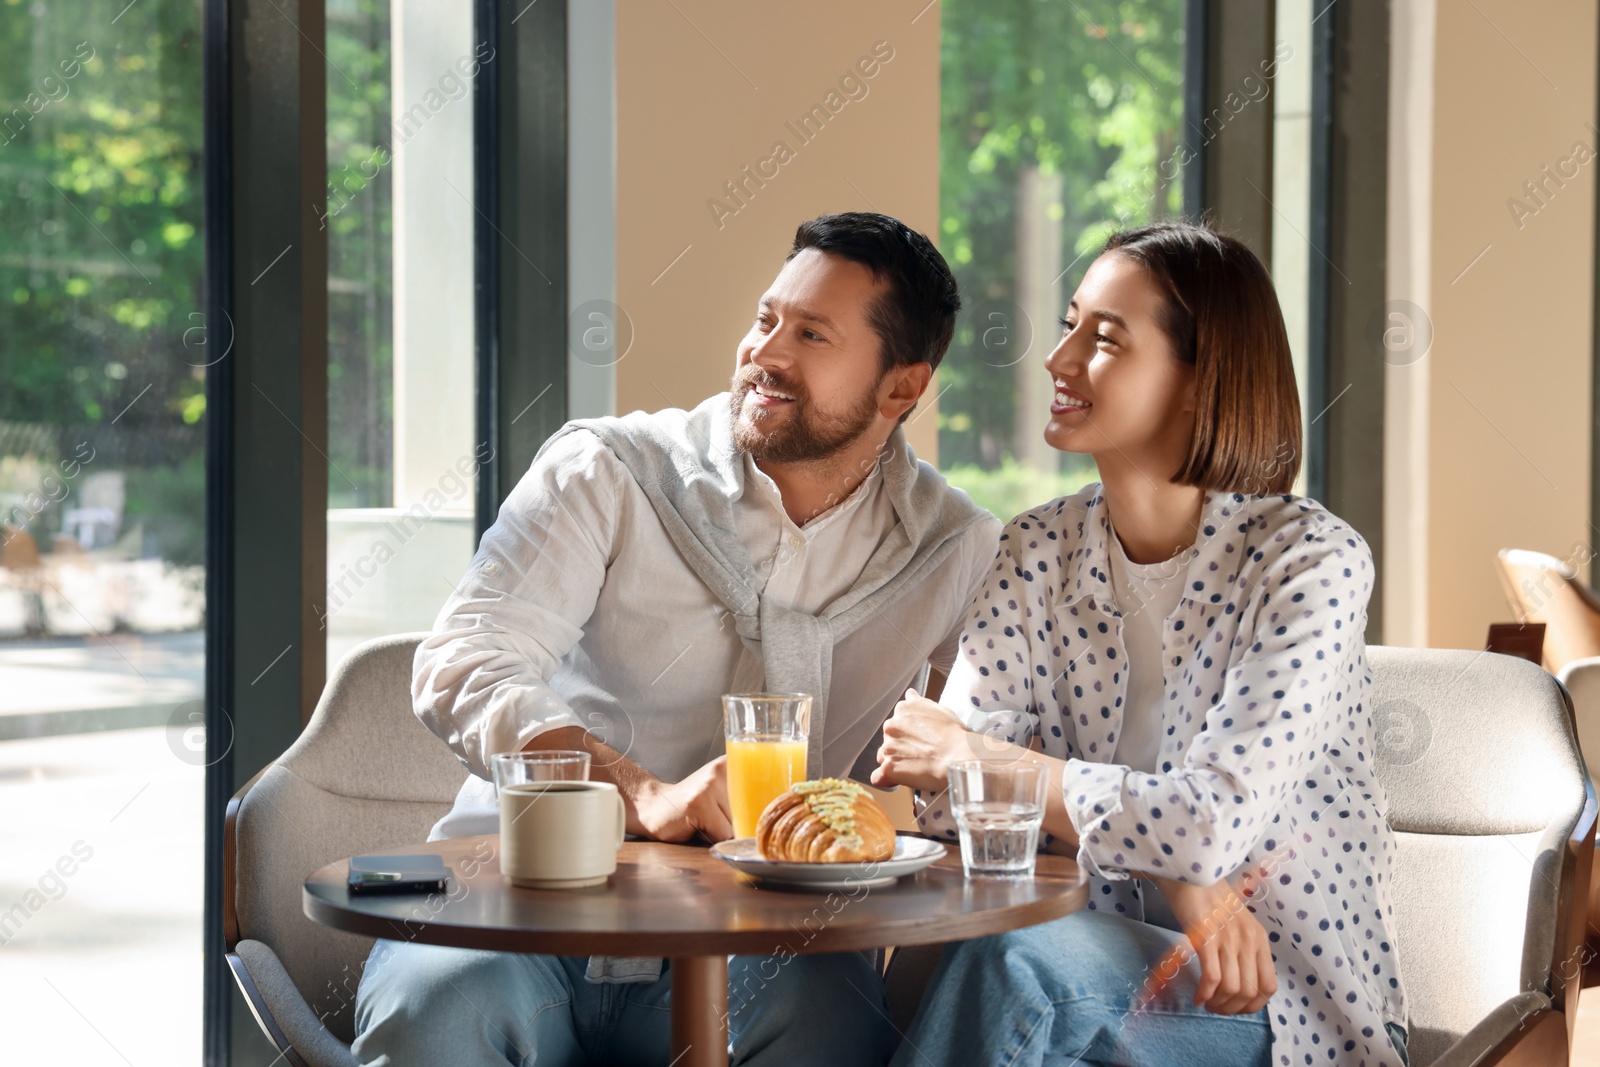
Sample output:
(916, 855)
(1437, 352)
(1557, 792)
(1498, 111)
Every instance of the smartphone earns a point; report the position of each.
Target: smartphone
(425, 873)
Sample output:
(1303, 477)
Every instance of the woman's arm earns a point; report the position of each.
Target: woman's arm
(1197, 822)
(1237, 976)
(975, 693)
(921, 739)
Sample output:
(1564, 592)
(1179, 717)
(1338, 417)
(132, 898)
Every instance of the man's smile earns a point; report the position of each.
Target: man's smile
(768, 397)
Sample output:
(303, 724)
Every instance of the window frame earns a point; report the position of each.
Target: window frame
(264, 111)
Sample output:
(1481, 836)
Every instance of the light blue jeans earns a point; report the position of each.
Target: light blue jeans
(428, 1006)
(1061, 993)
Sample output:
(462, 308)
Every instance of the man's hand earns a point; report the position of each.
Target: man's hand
(1236, 972)
(920, 741)
(697, 805)
(656, 809)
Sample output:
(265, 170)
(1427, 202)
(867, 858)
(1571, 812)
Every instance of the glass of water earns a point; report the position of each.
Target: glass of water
(998, 806)
(538, 765)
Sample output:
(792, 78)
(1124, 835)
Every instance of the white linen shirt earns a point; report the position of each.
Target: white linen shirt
(1266, 758)
(577, 610)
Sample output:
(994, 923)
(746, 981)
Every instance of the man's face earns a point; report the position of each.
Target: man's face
(808, 383)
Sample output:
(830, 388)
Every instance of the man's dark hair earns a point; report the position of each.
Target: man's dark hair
(916, 317)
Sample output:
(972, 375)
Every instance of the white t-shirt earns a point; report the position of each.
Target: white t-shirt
(1146, 594)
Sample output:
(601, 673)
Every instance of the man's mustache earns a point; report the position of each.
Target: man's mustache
(744, 380)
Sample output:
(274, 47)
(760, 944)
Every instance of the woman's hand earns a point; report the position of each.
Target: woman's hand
(920, 740)
(1236, 972)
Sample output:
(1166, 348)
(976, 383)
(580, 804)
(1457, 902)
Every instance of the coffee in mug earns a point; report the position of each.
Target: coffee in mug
(560, 835)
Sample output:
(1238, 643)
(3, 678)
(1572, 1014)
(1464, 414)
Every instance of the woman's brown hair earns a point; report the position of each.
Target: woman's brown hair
(1222, 316)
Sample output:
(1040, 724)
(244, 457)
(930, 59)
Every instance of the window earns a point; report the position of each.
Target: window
(1060, 125)
(400, 217)
(103, 355)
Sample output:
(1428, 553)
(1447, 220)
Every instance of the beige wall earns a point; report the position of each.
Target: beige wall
(1488, 438)
(706, 88)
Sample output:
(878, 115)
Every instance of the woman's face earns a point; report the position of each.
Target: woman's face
(1121, 395)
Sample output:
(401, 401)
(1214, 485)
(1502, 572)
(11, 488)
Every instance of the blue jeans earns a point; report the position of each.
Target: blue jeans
(428, 1006)
(1061, 993)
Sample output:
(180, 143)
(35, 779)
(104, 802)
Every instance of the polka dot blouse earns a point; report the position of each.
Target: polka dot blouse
(1265, 762)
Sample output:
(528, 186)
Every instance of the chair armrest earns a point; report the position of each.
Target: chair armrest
(1566, 974)
(1576, 903)
(1521, 1031)
(283, 1014)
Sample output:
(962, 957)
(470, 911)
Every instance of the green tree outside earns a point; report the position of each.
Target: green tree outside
(102, 331)
(1084, 100)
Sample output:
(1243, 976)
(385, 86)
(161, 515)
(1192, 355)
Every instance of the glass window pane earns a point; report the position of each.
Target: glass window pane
(103, 350)
(400, 313)
(360, 267)
(1291, 194)
(1060, 125)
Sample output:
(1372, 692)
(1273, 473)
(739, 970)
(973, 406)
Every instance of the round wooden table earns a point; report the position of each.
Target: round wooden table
(681, 902)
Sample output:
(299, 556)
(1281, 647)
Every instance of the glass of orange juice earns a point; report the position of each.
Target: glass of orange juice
(766, 744)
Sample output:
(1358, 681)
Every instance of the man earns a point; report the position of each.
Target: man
(780, 536)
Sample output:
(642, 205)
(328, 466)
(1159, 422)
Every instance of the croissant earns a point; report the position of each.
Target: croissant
(825, 821)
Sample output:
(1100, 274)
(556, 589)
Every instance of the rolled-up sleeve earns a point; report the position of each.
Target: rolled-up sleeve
(480, 681)
(1198, 822)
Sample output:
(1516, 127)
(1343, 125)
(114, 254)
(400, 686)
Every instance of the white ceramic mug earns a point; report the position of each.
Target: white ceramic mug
(560, 835)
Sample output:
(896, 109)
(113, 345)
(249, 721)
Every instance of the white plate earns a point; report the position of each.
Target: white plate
(911, 854)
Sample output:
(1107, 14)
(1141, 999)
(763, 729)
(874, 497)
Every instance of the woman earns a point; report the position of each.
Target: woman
(1183, 642)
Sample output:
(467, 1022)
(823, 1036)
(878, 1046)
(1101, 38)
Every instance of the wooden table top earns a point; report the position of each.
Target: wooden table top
(679, 900)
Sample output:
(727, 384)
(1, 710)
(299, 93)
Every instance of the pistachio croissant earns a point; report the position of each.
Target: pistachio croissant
(825, 821)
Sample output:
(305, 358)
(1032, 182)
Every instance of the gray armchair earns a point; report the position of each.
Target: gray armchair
(1494, 818)
(1582, 679)
(364, 776)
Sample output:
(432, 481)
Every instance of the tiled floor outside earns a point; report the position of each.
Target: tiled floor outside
(101, 850)
(103, 964)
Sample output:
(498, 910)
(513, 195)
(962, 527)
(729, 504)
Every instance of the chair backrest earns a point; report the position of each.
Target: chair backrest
(1542, 588)
(1485, 785)
(364, 776)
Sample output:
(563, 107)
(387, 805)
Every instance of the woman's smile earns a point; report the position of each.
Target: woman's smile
(1067, 400)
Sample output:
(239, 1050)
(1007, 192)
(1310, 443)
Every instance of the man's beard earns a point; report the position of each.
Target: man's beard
(802, 436)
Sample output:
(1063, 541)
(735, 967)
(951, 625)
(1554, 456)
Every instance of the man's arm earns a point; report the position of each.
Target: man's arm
(480, 680)
(666, 811)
